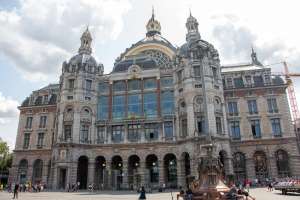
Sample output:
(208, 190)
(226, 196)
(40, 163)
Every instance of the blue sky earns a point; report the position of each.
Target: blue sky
(36, 36)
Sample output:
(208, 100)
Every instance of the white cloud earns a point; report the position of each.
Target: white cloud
(39, 35)
(8, 109)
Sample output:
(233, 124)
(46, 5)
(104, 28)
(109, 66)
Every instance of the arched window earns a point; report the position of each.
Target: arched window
(282, 161)
(22, 172)
(239, 166)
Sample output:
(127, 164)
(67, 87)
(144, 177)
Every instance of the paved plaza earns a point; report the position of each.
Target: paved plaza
(260, 194)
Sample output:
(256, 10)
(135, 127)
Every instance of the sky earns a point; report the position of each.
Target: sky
(36, 36)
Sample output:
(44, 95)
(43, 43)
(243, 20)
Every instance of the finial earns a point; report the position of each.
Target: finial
(152, 11)
(252, 49)
(190, 12)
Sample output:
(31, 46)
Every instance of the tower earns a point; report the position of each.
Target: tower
(153, 26)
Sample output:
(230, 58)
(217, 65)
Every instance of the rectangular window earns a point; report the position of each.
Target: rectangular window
(179, 75)
(84, 133)
(119, 86)
(100, 134)
(267, 79)
(215, 73)
(150, 83)
(134, 132)
(45, 99)
(200, 125)
(167, 102)
(258, 81)
(151, 131)
(248, 81)
(134, 105)
(40, 141)
(134, 84)
(71, 84)
(43, 121)
(117, 133)
(229, 82)
(150, 104)
(197, 71)
(103, 87)
(67, 132)
(166, 82)
(233, 109)
(26, 140)
(252, 107)
(118, 106)
(238, 82)
(255, 128)
(103, 107)
(184, 128)
(276, 127)
(29, 122)
(272, 105)
(168, 128)
(88, 85)
(219, 125)
(235, 130)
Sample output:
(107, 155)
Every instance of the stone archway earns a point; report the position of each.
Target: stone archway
(37, 173)
(170, 170)
(152, 175)
(260, 164)
(239, 166)
(82, 171)
(282, 162)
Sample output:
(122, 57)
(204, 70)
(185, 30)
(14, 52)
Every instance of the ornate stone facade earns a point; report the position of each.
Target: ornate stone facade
(146, 121)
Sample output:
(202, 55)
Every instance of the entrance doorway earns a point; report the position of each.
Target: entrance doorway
(82, 172)
(62, 178)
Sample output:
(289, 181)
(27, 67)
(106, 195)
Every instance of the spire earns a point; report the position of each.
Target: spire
(255, 61)
(192, 28)
(153, 26)
(86, 40)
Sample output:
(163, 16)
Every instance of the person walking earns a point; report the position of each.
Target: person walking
(16, 190)
(142, 193)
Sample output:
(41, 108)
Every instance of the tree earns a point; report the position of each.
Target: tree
(5, 156)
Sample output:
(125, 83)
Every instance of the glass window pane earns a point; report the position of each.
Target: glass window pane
(118, 106)
(134, 84)
(150, 83)
(103, 87)
(103, 107)
(166, 82)
(117, 133)
(168, 126)
(151, 131)
(167, 102)
(150, 104)
(119, 86)
(134, 105)
(238, 82)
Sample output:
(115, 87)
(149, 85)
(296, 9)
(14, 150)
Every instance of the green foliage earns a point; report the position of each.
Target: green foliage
(5, 156)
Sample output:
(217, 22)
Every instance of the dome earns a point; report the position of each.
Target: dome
(81, 59)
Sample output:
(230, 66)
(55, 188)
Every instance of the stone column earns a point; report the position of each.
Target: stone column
(250, 168)
(272, 167)
(125, 176)
(194, 167)
(91, 173)
(45, 173)
(180, 174)
(55, 177)
(161, 172)
(108, 169)
(72, 171)
(143, 172)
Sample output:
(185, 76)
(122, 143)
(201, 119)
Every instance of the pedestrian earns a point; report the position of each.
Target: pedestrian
(16, 190)
(180, 194)
(142, 193)
(189, 194)
(247, 185)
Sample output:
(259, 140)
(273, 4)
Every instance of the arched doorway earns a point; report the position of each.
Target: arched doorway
(153, 172)
(282, 161)
(117, 172)
(22, 172)
(82, 171)
(100, 173)
(186, 163)
(37, 173)
(239, 166)
(134, 177)
(170, 167)
(260, 164)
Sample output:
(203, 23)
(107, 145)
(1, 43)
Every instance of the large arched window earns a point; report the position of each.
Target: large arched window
(150, 104)
(22, 172)
(239, 166)
(282, 161)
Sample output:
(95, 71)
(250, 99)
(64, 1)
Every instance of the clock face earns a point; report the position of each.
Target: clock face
(160, 58)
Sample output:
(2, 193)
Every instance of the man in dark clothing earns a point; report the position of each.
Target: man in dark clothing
(16, 190)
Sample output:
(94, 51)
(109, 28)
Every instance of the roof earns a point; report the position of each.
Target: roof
(144, 62)
(241, 67)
